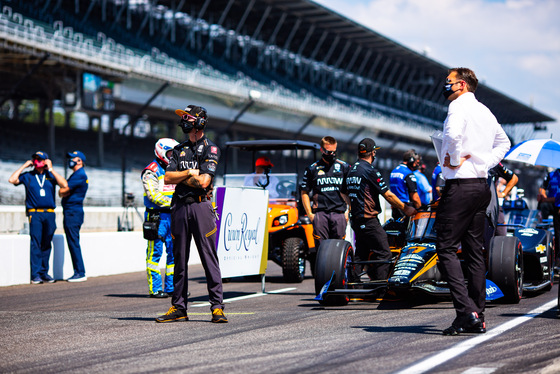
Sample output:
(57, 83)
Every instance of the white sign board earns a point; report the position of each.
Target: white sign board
(242, 239)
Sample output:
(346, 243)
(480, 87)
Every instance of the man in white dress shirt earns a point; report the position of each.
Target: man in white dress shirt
(473, 142)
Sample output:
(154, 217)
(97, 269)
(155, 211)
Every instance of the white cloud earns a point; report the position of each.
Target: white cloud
(512, 45)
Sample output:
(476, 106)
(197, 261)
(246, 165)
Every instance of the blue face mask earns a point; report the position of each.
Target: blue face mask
(71, 164)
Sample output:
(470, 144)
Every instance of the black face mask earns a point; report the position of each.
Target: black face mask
(447, 90)
(71, 164)
(329, 157)
(186, 126)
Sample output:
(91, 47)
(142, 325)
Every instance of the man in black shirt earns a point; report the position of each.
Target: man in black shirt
(192, 168)
(324, 180)
(364, 185)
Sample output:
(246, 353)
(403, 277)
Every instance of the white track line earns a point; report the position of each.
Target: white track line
(247, 296)
(438, 359)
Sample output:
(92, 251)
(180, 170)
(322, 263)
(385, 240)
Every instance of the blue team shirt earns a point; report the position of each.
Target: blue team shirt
(437, 181)
(551, 183)
(403, 182)
(424, 187)
(33, 198)
(78, 184)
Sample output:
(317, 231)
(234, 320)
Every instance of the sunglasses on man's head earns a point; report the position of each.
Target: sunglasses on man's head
(330, 153)
(187, 117)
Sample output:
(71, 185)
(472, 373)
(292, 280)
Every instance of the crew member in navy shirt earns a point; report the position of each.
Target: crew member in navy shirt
(73, 205)
(40, 184)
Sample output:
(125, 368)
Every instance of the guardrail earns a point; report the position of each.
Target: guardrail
(63, 43)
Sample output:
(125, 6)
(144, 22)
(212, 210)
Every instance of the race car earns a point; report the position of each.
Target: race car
(414, 265)
(536, 237)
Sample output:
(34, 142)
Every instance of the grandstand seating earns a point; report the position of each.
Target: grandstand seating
(18, 141)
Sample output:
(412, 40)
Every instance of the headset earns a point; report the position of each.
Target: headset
(199, 122)
(412, 159)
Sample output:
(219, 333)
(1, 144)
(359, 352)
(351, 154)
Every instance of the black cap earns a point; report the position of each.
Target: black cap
(367, 145)
(193, 110)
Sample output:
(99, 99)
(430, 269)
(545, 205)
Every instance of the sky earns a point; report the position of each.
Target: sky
(513, 46)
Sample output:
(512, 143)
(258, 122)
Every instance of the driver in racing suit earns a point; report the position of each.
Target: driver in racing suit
(157, 199)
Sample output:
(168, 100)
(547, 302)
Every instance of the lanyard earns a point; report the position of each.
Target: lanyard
(41, 184)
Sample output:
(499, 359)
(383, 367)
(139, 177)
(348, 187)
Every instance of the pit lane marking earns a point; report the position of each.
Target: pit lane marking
(247, 296)
(438, 359)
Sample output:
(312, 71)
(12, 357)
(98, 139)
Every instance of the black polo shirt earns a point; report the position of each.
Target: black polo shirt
(364, 184)
(202, 155)
(325, 183)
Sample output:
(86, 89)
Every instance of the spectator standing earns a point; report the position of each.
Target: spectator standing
(73, 208)
(365, 184)
(473, 142)
(403, 182)
(192, 168)
(324, 181)
(157, 218)
(40, 187)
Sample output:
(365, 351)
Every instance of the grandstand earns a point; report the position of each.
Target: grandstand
(263, 68)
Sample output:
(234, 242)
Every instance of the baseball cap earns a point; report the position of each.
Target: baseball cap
(40, 155)
(264, 161)
(367, 145)
(193, 110)
(78, 154)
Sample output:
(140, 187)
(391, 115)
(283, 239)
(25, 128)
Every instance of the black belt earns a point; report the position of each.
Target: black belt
(466, 181)
(162, 210)
(194, 199)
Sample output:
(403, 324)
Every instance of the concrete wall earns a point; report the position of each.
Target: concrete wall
(104, 253)
(13, 219)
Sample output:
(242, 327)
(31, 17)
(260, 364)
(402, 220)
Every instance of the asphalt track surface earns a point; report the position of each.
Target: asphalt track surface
(107, 325)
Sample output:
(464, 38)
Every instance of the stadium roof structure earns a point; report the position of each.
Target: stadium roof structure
(401, 78)
(297, 43)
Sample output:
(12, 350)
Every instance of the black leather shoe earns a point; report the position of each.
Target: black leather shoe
(468, 323)
(453, 330)
(478, 329)
(473, 323)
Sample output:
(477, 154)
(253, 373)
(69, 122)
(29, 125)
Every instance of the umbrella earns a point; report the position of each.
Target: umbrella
(544, 152)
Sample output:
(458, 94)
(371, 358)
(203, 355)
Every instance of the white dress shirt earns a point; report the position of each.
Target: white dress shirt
(471, 129)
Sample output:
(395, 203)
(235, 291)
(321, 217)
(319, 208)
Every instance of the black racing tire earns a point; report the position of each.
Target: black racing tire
(333, 255)
(505, 267)
(293, 260)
